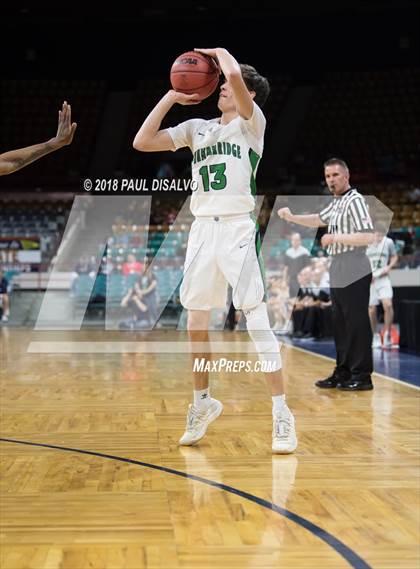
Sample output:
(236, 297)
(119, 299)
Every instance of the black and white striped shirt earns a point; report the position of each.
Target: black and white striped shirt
(346, 214)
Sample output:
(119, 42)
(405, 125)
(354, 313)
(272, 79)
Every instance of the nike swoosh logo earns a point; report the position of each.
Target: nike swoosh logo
(243, 245)
(201, 134)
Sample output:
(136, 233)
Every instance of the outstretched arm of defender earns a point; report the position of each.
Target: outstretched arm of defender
(308, 220)
(149, 138)
(16, 159)
(232, 72)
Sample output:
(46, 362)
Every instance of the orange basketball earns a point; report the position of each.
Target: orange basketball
(193, 72)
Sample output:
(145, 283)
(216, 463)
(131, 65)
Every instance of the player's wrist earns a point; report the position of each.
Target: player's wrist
(53, 144)
(171, 96)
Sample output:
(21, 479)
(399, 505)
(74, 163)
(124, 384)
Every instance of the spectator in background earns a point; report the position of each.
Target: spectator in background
(320, 265)
(131, 265)
(4, 297)
(84, 266)
(304, 299)
(312, 310)
(279, 303)
(171, 217)
(322, 309)
(142, 298)
(296, 258)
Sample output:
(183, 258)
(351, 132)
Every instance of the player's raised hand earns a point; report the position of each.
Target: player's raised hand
(65, 129)
(284, 213)
(184, 99)
(211, 52)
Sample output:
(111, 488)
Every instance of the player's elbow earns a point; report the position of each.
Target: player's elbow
(139, 144)
(6, 167)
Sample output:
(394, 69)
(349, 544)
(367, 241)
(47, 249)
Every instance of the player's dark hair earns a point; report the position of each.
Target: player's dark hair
(255, 82)
(336, 162)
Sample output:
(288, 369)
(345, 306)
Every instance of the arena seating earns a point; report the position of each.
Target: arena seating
(40, 218)
(371, 118)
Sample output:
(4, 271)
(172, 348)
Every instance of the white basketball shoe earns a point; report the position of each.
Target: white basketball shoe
(198, 421)
(376, 342)
(284, 433)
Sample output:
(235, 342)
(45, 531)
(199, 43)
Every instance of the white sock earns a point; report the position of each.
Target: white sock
(202, 398)
(279, 402)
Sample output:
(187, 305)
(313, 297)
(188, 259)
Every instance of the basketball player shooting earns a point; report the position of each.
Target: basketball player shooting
(223, 240)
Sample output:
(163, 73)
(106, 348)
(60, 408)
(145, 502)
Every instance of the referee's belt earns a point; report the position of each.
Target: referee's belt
(356, 252)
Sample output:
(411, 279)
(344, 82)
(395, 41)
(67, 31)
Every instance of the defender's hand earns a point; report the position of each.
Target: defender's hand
(65, 129)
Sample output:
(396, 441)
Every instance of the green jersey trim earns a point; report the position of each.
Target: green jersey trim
(259, 254)
(254, 158)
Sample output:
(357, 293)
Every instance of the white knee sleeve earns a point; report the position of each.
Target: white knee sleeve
(263, 337)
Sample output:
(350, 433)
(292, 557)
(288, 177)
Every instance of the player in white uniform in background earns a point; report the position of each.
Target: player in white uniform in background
(223, 241)
(383, 257)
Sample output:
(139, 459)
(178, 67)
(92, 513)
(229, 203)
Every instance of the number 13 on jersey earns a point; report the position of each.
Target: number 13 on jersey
(215, 173)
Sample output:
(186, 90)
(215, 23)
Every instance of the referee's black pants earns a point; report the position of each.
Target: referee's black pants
(350, 316)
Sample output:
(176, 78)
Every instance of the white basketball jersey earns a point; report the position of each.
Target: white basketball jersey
(225, 161)
(379, 254)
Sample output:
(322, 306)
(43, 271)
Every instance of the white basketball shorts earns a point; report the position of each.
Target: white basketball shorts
(380, 289)
(221, 251)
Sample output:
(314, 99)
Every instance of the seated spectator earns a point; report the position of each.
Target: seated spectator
(142, 299)
(295, 259)
(4, 297)
(279, 303)
(322, 310)
(308, 315)
(131, 265)
(84, 266)
(304, 299)
(312, 311)
(320, 266)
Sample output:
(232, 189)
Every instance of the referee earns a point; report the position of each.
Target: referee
(350, 231)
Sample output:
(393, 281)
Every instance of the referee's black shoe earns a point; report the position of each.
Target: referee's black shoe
(330, 382)
(356, 385)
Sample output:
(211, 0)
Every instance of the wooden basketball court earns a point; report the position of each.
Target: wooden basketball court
(111, 489)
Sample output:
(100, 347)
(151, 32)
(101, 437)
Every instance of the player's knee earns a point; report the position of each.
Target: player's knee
(372, 310)
(259, 329)
(387, 305)
(198, 320)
